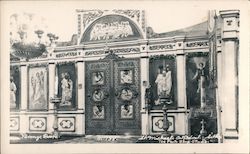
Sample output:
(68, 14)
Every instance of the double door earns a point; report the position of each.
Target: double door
(112, 97)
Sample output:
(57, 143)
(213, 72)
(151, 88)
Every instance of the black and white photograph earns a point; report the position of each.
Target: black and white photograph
(84, 75)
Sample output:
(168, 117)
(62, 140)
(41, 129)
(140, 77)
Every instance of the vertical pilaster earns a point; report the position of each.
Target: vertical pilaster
(181, 81)
(144, 65)
(24, 97)
(218, 92)
(52, 70)
(24, 87)
(80, 84)
(81, 94)
(229, 74)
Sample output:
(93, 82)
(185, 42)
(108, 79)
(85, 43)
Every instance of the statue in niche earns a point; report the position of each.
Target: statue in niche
(164, 82)
(13, 90)
(67, 88)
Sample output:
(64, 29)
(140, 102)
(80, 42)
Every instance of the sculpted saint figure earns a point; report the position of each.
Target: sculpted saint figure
(164, 82)
(67, 88)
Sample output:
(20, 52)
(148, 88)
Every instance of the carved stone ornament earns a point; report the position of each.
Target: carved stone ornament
(134, 14)
(90, 15)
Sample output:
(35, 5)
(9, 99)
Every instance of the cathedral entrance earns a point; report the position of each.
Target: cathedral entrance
(113, 96)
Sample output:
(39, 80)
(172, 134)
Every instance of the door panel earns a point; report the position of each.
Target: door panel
(112, 97)
(127, 100)
(98, 111)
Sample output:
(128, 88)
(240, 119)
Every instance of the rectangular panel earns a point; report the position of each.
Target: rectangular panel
(197, 66)
(66, 124)
(14, 123)
(127, 100)
(37, 123)
(157, 124)
(38, 88)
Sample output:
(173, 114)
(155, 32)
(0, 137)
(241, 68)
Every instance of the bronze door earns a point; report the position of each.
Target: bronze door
(112, 97)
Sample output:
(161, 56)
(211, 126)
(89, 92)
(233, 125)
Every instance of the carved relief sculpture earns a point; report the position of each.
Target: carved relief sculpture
(113, 30)
(126, 111)
(98, 78)
(98, 112)
(126, 76)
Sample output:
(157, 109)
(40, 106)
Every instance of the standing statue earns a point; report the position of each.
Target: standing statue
(67, 88)
(164, 82)
(12, 93)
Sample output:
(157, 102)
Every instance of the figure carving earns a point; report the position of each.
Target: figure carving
(67, 88)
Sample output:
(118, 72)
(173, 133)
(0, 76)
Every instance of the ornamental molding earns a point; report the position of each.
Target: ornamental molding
(162, 47)
(197, 44)
(116, 51)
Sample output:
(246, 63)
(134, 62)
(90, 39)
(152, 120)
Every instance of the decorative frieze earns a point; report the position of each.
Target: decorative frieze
(161, 47)
(197, 44)
(120, 50)
(67, 54)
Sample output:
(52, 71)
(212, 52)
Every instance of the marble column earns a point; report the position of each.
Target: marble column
(229, 74)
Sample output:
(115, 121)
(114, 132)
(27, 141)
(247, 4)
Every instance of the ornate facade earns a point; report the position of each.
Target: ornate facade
(111, 75)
